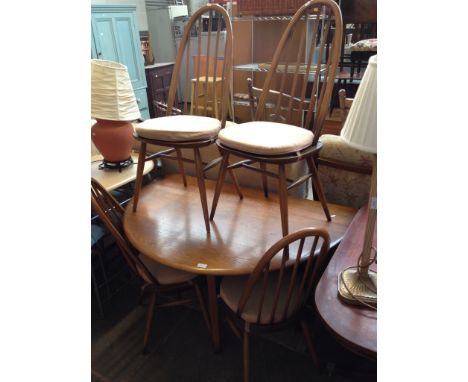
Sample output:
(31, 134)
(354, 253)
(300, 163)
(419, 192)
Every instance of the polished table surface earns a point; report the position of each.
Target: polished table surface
(354, 326)
(168, 227)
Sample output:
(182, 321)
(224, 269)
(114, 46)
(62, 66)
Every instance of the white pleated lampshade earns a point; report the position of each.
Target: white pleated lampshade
(112, 96)
(360, 128)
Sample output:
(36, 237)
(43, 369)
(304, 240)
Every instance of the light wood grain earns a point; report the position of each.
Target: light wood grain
(169, 228)
(112, 179)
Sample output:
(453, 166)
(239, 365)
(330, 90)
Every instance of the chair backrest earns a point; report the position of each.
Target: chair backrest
(299, 274)
(110, 213)
(271, 100)
(198, 47)
(304, 66)
(211, 65)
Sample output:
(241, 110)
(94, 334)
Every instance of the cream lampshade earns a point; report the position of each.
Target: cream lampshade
(114, 106)
(360, 128)
(359, 284)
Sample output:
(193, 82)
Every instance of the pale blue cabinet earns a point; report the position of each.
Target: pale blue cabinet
(115, 37)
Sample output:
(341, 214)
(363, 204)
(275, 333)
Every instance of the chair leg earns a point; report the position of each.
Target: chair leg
(213, 304)
(142, 293)
(149, 322)
(264, 179)
(318, 187)
(201, 186)
(181, 167)
(96, 291)
(246, 354)
(234, 179)
(235, 183)
(283, 198)
(192, 98)
(219, 183)
(202, 305)
(139, 176)
(310, 345)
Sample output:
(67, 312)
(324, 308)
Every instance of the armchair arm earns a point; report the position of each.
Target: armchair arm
(337, 153)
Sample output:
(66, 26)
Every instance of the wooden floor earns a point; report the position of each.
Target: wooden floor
(181, 348)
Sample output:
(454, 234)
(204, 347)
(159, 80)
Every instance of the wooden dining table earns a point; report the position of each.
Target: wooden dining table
(168, 227)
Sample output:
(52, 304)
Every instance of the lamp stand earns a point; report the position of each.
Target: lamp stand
(358, 285)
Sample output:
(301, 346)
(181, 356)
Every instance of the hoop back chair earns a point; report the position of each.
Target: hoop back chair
(301, 77)
(274, 294)
(178, 129)
(153, 276)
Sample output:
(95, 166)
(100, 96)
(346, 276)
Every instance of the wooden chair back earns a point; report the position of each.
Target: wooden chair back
(214, 47)
(271, 101)
(211, 65)
(304, 67)
(345, 104)
(311, 246)
(110, 213)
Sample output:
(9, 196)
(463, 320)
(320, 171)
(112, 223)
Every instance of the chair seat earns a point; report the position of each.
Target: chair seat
(231, 290)
(179, 128)
(266, 138)
(166, 275)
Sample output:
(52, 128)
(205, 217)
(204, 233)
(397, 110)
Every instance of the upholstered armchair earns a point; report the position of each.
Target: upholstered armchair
(345, 172)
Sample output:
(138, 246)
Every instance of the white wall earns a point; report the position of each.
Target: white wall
(140, 10)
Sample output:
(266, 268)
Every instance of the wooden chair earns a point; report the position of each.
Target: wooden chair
(213, 66)
(345, 104)
(274, 295)
(154, 277)
(306, 74)
(178, 129)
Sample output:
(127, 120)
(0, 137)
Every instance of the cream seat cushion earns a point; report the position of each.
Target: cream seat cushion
(232, 287)
(265, 138)
(166, 275)
(179, 128)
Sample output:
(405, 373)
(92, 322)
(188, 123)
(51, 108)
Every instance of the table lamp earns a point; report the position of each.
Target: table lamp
(114, 106)
(358, 285)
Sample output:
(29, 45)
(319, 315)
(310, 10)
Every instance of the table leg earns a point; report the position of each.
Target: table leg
(213, 307)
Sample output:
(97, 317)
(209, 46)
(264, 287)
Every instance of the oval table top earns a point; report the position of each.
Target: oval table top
(168, 225)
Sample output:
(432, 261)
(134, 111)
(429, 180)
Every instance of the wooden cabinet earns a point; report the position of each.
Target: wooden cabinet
(158, 77)
(115, 37)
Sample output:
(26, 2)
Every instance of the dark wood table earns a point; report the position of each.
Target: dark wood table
(168, 227)
(354, 326)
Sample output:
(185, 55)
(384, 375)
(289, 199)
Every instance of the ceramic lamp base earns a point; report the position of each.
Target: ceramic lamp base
(113, 139)
(354, 287)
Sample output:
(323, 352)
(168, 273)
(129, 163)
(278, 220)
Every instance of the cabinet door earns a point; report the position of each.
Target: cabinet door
(159, 81)
(115, 39)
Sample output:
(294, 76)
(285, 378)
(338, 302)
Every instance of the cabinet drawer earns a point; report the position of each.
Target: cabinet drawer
(142, 101)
